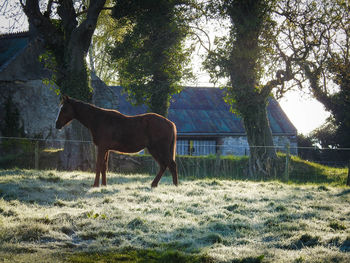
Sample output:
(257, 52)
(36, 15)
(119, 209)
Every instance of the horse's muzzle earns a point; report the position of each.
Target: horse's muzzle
(58, 126)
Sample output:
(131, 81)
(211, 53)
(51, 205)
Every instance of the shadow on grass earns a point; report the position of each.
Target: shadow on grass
(139, 255)
(48, 188)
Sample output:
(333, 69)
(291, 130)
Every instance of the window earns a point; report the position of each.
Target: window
(196, 147)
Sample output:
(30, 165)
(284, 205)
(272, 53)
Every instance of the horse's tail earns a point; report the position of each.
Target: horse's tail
(173, 142)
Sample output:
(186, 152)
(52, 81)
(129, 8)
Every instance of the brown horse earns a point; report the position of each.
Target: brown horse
(112, 130)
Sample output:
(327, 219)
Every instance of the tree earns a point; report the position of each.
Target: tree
(318, 33)
(152, 56)
(245, 57)
(67, 27)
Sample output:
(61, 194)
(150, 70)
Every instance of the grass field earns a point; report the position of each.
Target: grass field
(52, 216)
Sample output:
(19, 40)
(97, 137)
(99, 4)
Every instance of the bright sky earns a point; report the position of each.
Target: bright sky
(304, 112)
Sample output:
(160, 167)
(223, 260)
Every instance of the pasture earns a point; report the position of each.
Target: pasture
(53, 216)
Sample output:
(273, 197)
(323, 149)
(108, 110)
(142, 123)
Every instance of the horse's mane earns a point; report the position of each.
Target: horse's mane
(90, 105)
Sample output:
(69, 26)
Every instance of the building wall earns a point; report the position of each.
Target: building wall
(283, 141)
(238, 145)
(234, 145)
(37, 105)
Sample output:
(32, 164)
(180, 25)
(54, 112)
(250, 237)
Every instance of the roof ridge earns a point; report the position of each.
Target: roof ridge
(15, 34)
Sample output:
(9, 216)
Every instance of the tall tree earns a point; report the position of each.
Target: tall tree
(243, 57)
(152, 56)
(67, 27)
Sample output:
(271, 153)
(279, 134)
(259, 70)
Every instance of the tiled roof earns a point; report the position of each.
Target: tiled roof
(10, 46)
(202, 111)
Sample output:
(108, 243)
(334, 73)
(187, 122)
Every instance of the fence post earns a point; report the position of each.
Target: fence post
(217, 159)
(286, 169)
(348, 181)
(36, 156)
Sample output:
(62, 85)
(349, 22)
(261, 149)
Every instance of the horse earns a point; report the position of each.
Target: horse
(114, 131)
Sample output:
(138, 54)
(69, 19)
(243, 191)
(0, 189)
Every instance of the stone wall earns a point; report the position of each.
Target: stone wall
(37, 105)
(234, 145)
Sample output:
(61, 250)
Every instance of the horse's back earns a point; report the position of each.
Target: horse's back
(159, 124)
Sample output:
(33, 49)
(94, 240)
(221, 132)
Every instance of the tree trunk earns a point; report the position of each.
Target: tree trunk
(160, 100)
(78, 153)
(250, 98)
(262, 158)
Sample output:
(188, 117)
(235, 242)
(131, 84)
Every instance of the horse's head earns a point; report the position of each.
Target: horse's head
(65, 113)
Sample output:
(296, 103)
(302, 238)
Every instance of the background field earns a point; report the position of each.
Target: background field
(58, 217)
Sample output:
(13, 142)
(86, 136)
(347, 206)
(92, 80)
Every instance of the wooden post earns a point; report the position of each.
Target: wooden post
(348, 181)
(36, 156)
(286, 169)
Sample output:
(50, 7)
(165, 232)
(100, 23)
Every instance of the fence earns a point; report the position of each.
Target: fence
(312, 164)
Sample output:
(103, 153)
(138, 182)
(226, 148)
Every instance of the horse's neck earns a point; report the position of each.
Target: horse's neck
(84, 113)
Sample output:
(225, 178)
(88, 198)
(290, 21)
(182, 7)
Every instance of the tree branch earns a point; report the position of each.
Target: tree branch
(68, 16)
(43, 23)
(208, 49)
(86, 29)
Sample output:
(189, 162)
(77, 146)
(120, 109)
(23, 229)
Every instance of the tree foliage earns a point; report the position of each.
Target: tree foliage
(317, 33)
(108, 30)
(152, 55)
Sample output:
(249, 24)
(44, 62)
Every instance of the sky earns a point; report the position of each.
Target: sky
(303, 111)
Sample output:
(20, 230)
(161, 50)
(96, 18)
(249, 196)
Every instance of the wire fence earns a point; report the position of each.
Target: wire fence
(201, 160)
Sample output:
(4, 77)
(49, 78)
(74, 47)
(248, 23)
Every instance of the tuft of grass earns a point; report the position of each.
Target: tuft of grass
(50, 177)
(23, 233)
(212, 238)
(232, 208)
(137, 223)
(60, 203)
(257, 259)
(337, 225)
(306, 240)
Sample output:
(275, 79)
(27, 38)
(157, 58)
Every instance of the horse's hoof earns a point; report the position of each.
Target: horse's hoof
(154, 185)
(94, 185)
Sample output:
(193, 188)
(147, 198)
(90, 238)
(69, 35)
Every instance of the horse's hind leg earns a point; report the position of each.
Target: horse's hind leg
(99, 165)
(162, 165)
(159, 175)
(173, 169)
(104, 168)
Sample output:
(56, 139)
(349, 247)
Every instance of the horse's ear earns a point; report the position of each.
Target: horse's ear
(65, 98)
